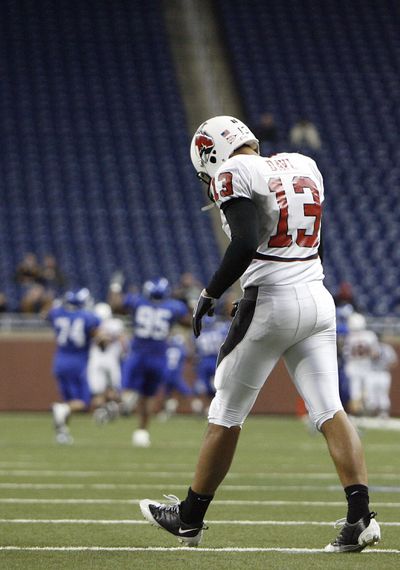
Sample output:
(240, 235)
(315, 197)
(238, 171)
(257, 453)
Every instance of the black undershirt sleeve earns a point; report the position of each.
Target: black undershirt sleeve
(321, 248)
(241, 215)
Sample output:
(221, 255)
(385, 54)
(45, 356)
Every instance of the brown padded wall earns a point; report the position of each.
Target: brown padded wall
(26, 381)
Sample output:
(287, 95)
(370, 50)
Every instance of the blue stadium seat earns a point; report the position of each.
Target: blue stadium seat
(96, 162)
(327, 61)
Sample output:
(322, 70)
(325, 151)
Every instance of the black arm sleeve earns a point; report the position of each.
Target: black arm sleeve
(241, 215)
(321, 248)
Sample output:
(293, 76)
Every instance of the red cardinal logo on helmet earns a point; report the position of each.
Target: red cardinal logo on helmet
(204, 144)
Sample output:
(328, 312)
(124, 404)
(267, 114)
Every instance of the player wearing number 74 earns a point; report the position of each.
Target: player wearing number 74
(271, 211)
(74, 327)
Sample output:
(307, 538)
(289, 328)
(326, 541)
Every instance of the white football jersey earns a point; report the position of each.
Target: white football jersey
(361, 348)
(386, 358)
(112, 328)
(288, 191)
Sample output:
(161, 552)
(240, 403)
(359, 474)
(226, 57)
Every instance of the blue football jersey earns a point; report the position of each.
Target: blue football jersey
(211, 338)
(176, 353)
(153, 320)
(73, 329)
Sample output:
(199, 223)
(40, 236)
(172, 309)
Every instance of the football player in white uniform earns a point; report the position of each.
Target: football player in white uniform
(379, 392)
(104, 365)
(360, 349)
(271, 211)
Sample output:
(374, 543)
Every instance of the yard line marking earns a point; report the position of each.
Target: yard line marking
(164, 474)
(231, 502)
(224, 487)
(180, 549)
(143, 522)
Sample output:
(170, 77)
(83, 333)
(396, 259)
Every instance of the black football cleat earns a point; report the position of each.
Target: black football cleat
(355, 537)
(168, 518)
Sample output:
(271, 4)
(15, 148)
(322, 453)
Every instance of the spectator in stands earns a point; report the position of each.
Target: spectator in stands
(3, 302)
(188, 290)
(28, 276)
(51, 275)
(304, 134)
(345, 297)
(267, 133)
(28, 272)
(53, 281)
(40, 284)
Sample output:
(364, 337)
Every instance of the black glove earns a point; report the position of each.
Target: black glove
(205, 304)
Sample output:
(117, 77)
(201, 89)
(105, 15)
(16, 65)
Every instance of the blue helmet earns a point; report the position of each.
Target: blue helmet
(78, 297)
(156, 288)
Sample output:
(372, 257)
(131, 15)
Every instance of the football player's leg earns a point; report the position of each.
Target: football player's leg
(312, 364)
(355, 388)
(114, 374)
(385, 380)
(371, 392)
(61, 411)
(154, 376)
(245, 363)
(79, 391)
(131, 382)
(113, 390)
(97, 377)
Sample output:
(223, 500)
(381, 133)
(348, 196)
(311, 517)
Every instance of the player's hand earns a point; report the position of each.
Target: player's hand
(205, 304)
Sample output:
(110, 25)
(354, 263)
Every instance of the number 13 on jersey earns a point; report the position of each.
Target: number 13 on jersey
(307, 236)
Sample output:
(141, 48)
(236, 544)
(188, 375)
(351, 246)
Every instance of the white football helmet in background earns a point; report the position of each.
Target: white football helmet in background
(215, 141)
(356, 322)
(103, 311)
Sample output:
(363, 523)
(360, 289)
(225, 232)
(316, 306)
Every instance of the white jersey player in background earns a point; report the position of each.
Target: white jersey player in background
(360, 349)
(271, 211)
(380, 383)
(104, 365)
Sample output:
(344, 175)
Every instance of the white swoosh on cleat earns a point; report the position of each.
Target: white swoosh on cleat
(181, 531)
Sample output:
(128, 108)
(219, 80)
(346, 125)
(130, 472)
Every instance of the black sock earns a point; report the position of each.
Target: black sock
(357, 501)
(194, 507)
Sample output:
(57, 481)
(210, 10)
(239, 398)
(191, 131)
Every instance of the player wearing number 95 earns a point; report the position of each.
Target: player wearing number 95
(271, 211)
(154, 313)
(74, 326)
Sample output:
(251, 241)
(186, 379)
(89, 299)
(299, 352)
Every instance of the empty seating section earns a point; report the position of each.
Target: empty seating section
(336, 63)
(95, 164)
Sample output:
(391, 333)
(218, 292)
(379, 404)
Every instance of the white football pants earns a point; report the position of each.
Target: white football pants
(295, 322)
(104, 369)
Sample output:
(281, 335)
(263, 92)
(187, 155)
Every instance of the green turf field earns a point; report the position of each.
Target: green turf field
(77, 506)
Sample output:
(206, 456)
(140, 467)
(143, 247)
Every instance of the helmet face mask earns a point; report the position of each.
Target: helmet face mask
(215, 141)
(206, 180)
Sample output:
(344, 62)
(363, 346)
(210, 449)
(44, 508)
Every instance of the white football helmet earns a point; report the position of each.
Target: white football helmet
(103, 311)
(356, 322)
(215, 141)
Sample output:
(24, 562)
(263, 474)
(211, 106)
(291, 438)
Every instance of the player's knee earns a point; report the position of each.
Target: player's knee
(320, 418)
(222, 415)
